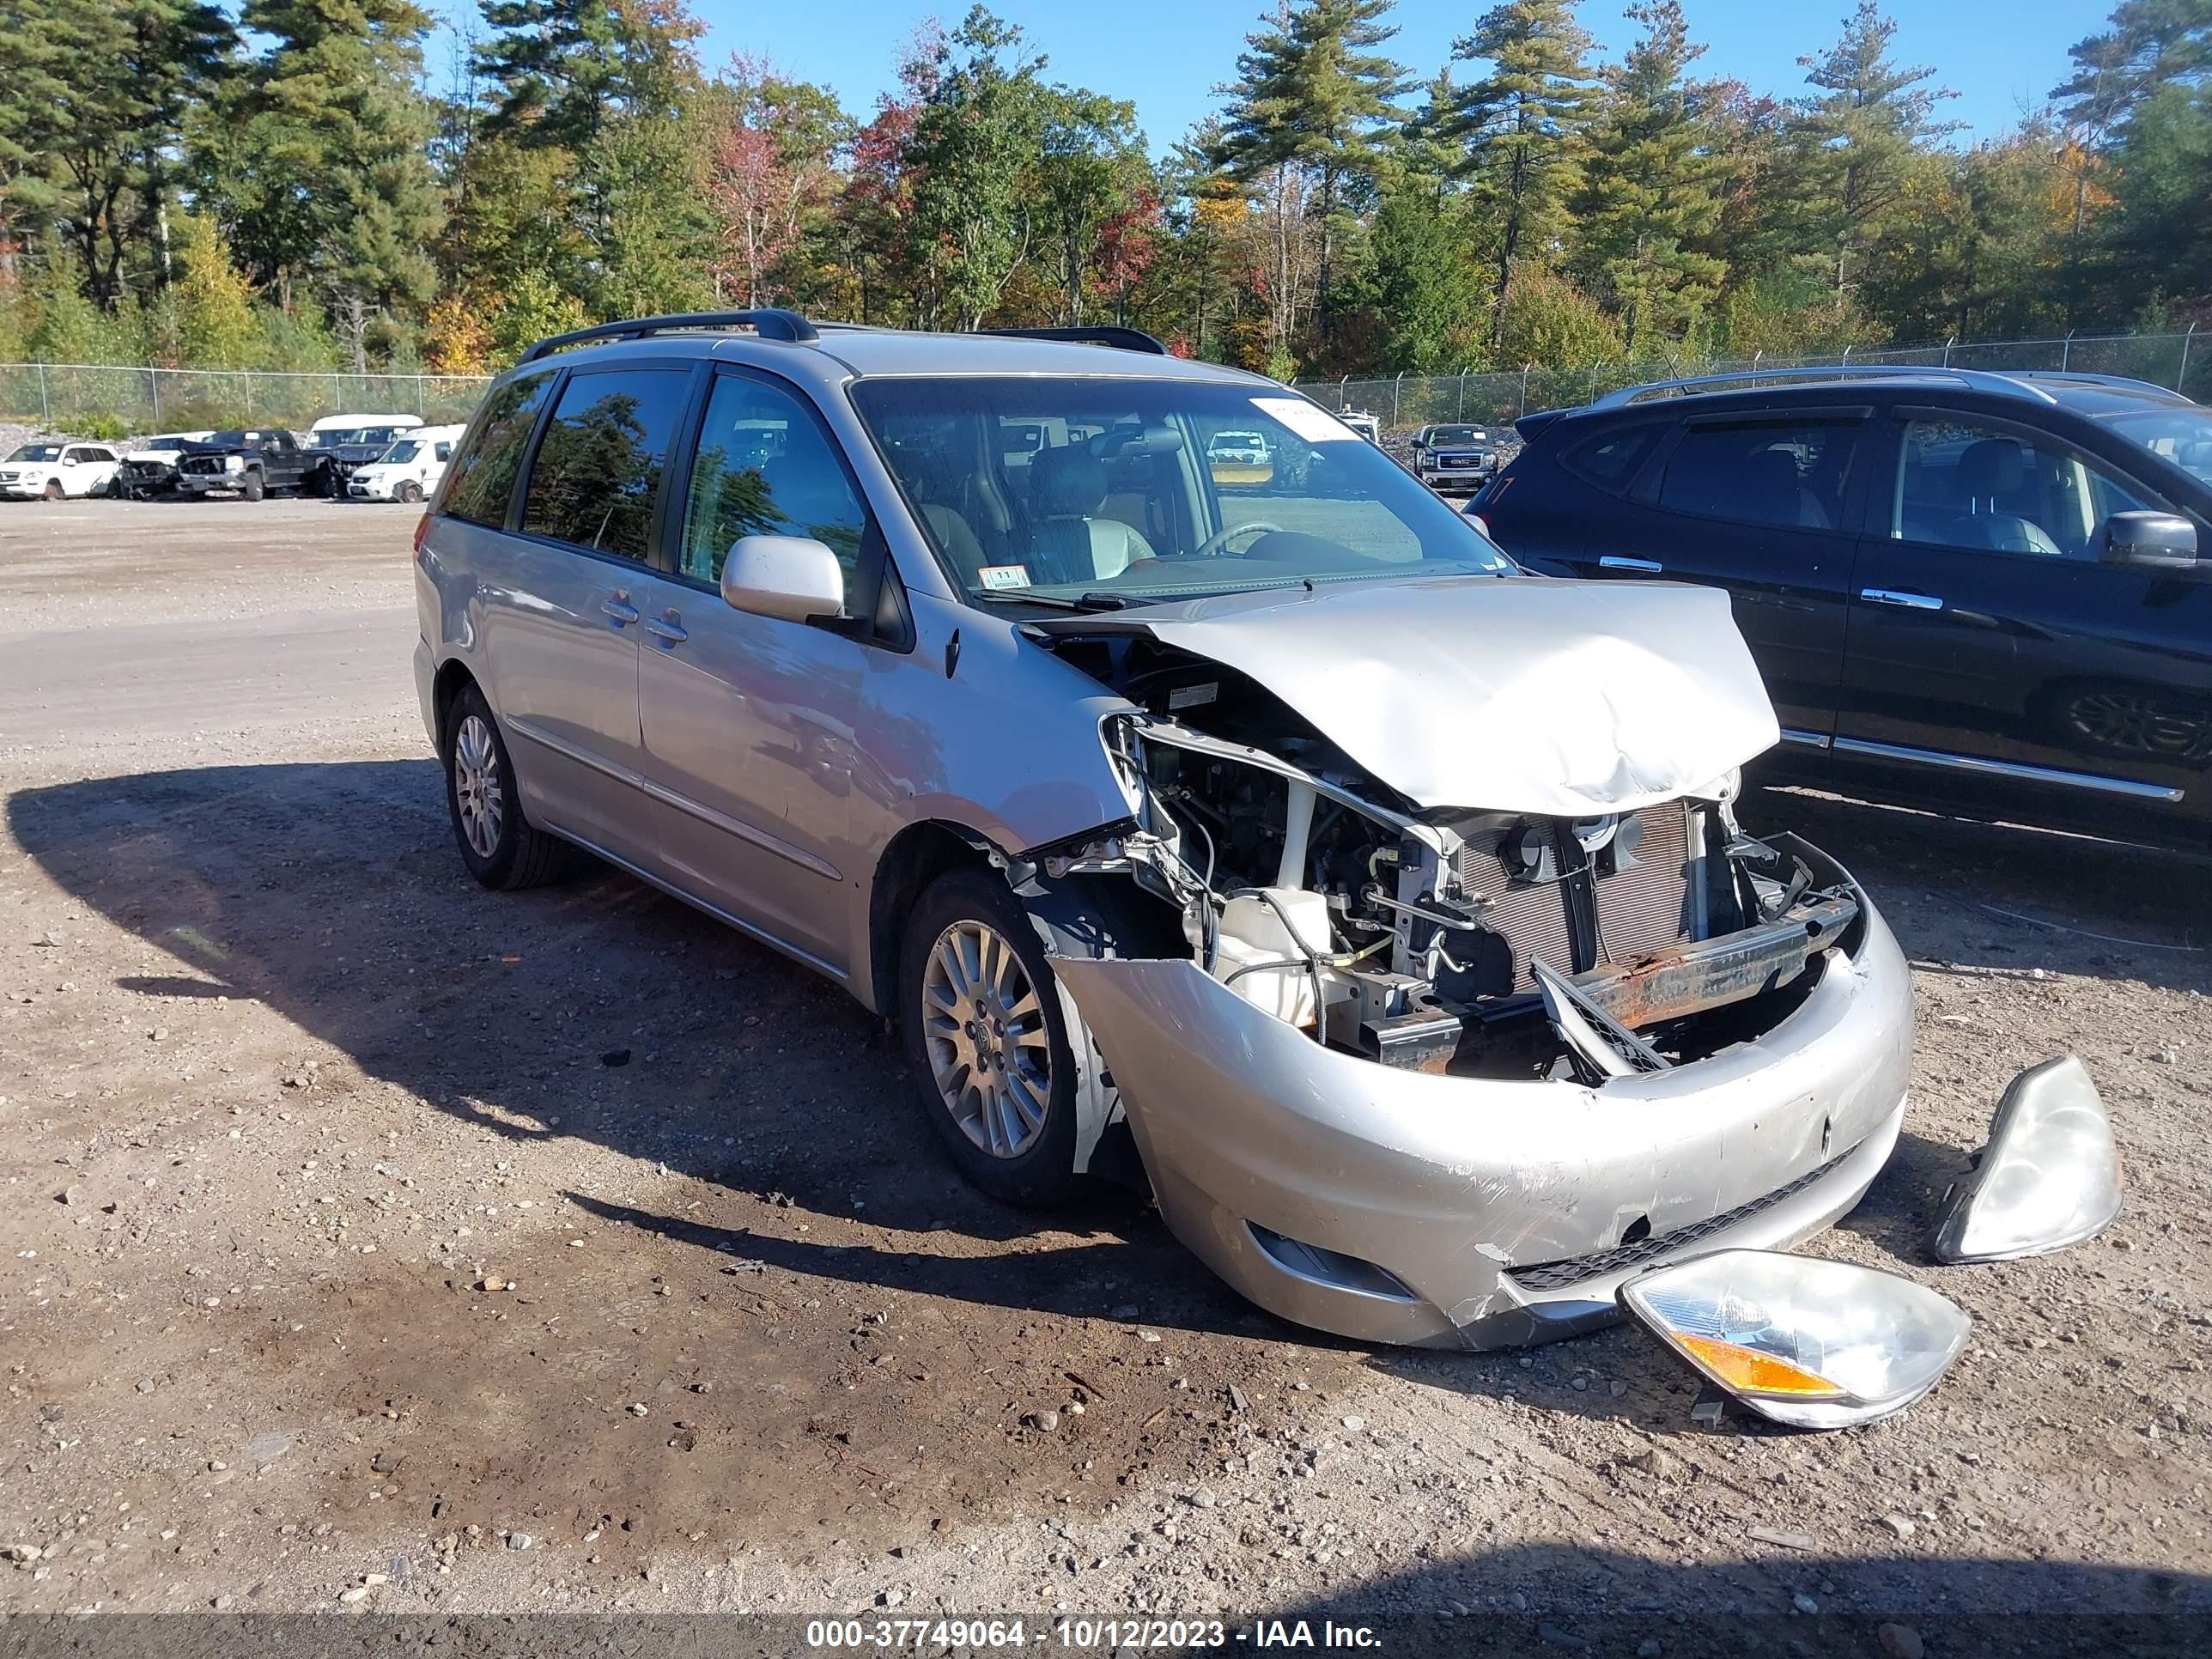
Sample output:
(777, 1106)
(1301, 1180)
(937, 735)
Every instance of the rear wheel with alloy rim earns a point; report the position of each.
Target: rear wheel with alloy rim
(502, 849)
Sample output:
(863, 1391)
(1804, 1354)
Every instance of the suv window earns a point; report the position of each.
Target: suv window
(598, 466)
(1609, 458)
(764, 468)
(1785, 472)
(483, 475)
(1964, 483)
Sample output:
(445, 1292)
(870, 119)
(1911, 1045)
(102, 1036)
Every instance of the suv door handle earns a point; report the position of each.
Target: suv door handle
(667, 626)
(1895, 596)
(1614, 561)
(619, 607)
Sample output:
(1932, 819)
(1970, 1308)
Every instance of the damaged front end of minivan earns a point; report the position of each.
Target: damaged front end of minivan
(1485, 1001)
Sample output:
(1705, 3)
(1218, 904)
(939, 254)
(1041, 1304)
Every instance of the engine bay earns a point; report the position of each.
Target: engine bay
(1455, 941)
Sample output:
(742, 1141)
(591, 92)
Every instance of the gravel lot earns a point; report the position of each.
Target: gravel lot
(338, 1255)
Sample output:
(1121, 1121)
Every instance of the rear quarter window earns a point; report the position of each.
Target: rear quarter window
(481, 477)
(1609, 459)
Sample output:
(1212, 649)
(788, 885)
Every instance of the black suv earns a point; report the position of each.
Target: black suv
(1986, 593)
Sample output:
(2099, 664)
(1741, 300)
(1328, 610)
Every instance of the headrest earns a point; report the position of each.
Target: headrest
(1994, 467)
(1067, 482)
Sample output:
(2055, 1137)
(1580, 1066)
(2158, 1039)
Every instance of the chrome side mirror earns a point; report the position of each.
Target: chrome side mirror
(791, 578)
(2164, 541)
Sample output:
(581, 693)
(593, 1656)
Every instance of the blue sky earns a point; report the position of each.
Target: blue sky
(2002, 56)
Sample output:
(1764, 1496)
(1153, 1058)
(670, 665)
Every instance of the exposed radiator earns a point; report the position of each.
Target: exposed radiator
(1642, 887)
(1645, 904)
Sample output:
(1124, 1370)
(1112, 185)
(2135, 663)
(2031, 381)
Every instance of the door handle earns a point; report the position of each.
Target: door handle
(668, 627)
(1614, 561)
(1895, 596)
(619, 607)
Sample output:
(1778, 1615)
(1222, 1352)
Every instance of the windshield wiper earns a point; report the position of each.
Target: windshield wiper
(1021, 596)
(1103, 602)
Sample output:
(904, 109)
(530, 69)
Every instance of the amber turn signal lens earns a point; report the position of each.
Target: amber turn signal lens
(1755, 1372)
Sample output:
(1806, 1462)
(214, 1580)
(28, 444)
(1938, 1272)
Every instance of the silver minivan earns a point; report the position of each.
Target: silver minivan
(1262, 829)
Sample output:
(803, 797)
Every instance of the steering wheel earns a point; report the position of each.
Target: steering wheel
(1214, 543)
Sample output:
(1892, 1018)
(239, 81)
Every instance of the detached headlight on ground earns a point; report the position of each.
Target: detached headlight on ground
(1816, 1344)
(2050, 1176)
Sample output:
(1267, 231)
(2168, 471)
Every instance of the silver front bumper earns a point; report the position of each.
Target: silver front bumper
(1390, 1206)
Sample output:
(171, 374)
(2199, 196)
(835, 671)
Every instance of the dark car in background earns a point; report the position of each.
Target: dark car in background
(253, 461)
(1451, 458)
(1982, 593)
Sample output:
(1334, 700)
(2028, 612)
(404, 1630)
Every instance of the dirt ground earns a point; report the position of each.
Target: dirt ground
(367, 1233)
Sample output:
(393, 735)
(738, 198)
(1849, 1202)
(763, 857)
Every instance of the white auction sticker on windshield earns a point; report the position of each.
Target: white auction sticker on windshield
(1309, 421)
(996, 577)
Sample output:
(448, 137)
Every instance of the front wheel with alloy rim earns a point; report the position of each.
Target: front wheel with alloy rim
(502, 849)
(987, 1039)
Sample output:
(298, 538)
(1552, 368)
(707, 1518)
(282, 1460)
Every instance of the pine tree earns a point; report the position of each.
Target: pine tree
(2148, 44)
(1313, 94)
(1647, 198)
(1521, 130)
(1858, 142)
(318, 156)
(1423, 290)
(92, 108)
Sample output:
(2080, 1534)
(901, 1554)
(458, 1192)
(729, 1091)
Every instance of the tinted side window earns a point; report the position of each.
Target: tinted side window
(483, 477)
(1767, 472)
(598, 466)
(1609, 459)
(765, 469)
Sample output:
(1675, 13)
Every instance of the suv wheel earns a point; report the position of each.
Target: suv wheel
(987, 1039)
(410, 492)
(502, 849)
(54, 490)
(253, 485)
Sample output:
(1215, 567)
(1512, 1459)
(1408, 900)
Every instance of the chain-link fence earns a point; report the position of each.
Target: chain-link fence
(58, 397)
(2179, 360)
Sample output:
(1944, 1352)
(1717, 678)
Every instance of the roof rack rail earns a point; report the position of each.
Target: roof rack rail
(769, 322)
(2114, 382)
(1104, 334)
(1985, 379)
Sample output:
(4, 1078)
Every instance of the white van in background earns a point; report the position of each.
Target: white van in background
(410, 470)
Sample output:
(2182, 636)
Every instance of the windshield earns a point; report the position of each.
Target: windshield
(1060, 490)
(37, 453)
(2183, 436)
(162, 446)
(352, 437)
(400, 453)
(1456, 435)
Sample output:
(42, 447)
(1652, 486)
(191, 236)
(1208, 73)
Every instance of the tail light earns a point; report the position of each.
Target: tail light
(422, 530)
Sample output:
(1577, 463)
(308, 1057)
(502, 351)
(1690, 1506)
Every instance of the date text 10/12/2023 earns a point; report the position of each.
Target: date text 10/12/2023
(1083, 1635)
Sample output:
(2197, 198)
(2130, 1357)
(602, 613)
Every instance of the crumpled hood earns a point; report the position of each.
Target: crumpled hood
(1518, 694)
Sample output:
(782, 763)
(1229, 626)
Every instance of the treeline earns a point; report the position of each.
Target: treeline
(285, 190)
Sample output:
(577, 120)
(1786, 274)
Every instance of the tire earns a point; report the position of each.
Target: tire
(410, 492)
(1037, 1173)
(502, 849)
(252, 487)
(54, 491)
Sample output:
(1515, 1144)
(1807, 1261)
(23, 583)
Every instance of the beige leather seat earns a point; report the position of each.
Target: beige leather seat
(1068, 541)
